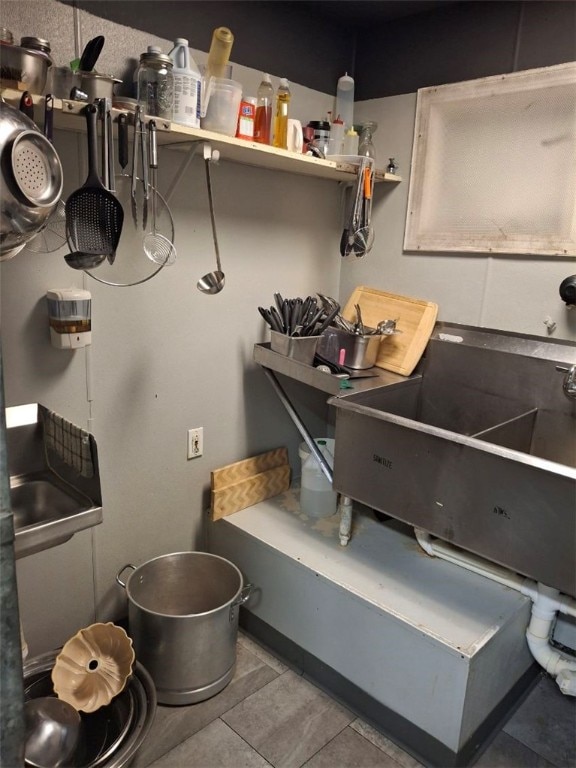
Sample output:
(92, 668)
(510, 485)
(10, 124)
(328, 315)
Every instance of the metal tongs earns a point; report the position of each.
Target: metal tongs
(358, 235)
(140, 149)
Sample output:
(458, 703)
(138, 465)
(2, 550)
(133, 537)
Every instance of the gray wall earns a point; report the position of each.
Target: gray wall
(313, 43)
(166, 358)
(463, 41)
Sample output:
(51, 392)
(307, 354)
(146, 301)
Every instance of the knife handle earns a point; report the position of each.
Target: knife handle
(123, 140)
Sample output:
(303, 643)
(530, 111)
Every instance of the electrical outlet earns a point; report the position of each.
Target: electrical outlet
(195, 442)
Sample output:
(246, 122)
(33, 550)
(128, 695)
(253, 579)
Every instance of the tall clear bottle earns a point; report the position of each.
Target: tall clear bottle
(263, 119)
(345, 101)
(281, 115)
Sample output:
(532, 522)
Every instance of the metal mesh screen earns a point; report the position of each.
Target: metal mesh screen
(494, 165)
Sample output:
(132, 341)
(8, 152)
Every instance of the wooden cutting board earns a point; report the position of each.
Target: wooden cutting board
(244, 483)
(401, 352)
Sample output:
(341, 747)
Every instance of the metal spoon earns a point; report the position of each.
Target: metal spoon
(213, 282)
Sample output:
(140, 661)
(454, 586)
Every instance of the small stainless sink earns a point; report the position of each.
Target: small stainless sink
(478, 448)
(50, 499)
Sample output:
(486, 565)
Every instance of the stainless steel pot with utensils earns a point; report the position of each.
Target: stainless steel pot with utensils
(94, 216)
(24, 67)
(31, 180)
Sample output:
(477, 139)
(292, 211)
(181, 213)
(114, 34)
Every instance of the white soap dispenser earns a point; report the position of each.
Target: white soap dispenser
(70, 316)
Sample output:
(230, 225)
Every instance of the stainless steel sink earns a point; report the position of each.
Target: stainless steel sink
(478, 448)
(50, 499)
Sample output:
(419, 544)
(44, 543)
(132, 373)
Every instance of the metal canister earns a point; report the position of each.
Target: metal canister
(156, 83)
(35, 44)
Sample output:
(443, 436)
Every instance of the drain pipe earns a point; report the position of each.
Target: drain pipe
(546, 604)
(11, 679)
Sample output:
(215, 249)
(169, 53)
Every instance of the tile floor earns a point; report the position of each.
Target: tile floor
(268, 715)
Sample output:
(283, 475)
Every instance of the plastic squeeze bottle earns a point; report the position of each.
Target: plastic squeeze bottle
(281, 115)
(187, 85)
(219, 53)
(263, 119)
(345, 100)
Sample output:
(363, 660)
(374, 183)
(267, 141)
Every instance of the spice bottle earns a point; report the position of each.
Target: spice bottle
(263, 119)
(156, 83)
(281, 114)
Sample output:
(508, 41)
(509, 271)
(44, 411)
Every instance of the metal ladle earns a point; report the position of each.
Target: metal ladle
(213, 282)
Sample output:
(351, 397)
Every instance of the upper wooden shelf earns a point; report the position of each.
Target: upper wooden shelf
(67, 117)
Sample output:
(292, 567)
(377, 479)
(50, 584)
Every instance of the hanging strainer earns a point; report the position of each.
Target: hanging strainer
(157, 247)
(36, 169)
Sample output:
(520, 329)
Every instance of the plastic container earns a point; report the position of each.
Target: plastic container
(281, 114)
(223, 99)
(155, 80)
(345, 100)
(351, 140)
(263, 118)
(336, 141)
(187, 85)
(317, 497)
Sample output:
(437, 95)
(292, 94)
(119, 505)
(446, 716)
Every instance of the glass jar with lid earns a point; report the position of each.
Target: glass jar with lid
(156, 83)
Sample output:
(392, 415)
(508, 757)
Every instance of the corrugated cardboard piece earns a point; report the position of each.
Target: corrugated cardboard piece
(244, 483)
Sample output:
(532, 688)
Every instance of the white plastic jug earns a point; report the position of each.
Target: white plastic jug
(317, 497)
(187, 85)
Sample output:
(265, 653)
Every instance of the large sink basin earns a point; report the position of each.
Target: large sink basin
(478, 448)
(50, 499)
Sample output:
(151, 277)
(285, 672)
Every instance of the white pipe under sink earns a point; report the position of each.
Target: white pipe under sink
(546, 603)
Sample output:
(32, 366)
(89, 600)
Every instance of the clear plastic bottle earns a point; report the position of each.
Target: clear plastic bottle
(281, 114)
(317, 497)
(351, 139)
(345, 101)
(156, 83)
(187, 85)
(263, 120)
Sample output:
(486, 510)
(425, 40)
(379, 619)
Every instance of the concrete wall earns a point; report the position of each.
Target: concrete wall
(166, 358)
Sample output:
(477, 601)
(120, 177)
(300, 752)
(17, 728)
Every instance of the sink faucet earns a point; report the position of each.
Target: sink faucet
(569, 383)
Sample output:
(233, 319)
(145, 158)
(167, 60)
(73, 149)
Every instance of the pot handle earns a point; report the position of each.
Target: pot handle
(123, 583)
(243, 597)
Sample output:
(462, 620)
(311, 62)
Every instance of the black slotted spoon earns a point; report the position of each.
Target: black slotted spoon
(94, 216)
